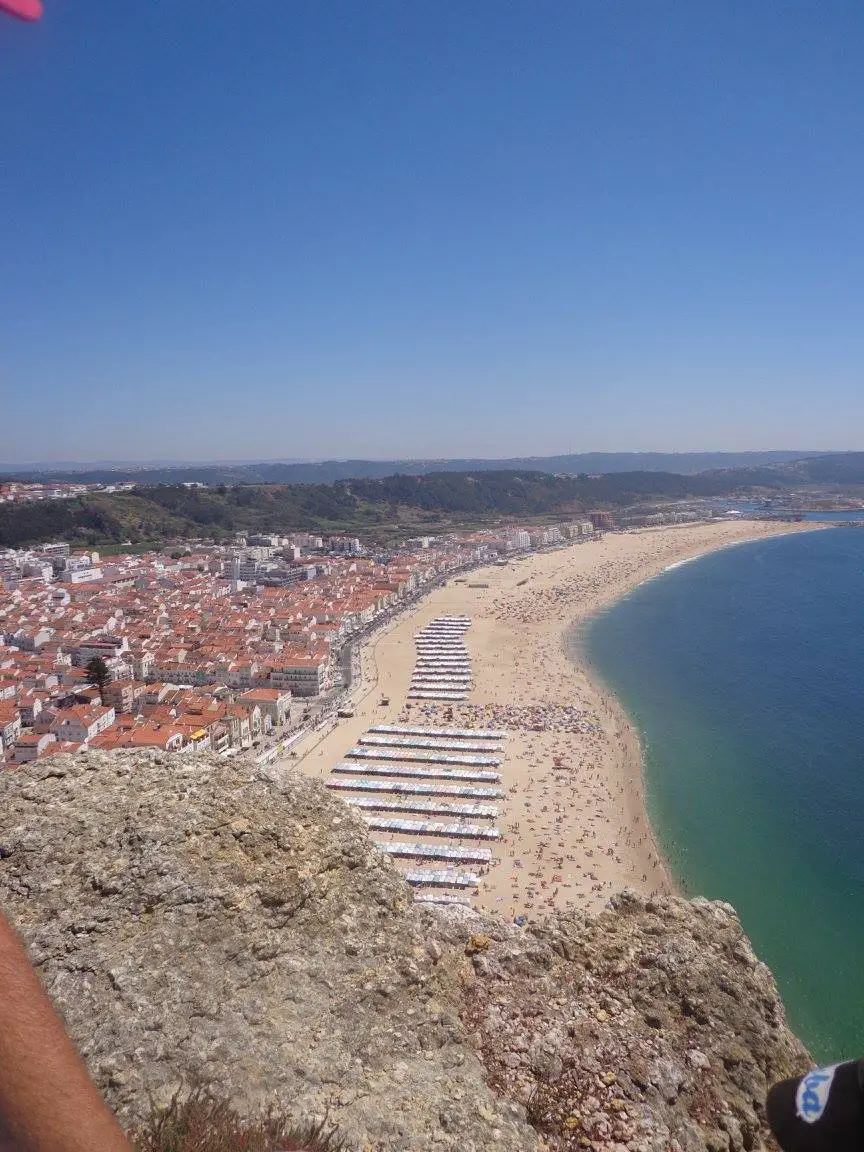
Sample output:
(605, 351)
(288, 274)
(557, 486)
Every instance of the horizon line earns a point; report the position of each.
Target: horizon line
(246, 462)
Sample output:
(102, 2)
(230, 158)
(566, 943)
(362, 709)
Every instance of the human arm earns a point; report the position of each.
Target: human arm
(48, 1103)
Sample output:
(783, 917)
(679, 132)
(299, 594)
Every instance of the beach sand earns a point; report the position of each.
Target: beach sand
(574, 821)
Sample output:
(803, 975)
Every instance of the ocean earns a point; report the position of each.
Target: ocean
(744, 673)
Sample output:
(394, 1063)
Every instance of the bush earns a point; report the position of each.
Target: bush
(203, 1123)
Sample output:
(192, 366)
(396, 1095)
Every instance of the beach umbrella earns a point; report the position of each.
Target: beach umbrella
(23, 9)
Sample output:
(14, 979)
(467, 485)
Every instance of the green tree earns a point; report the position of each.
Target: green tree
(97, 673)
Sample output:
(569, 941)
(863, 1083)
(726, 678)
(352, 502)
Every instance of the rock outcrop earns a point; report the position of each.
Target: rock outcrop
(209, 921)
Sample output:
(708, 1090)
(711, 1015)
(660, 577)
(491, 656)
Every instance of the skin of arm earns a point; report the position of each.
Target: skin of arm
(48, 1103)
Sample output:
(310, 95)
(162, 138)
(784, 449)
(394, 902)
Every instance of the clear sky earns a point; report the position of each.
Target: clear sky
(309, 228)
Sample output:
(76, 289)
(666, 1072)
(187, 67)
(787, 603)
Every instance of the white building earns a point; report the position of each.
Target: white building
(78, 725)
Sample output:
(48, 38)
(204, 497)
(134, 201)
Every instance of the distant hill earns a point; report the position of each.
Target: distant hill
(377, 508)
(330, 471)
(384, 507)
(836, 468)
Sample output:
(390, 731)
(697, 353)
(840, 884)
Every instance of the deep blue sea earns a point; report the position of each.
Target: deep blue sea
(744, 672)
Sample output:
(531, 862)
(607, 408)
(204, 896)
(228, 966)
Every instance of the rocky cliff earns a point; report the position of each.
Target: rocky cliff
(197, 920)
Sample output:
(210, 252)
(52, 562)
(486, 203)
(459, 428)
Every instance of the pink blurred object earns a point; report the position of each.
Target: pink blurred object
(23, 9)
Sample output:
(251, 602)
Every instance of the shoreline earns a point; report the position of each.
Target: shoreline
(574, 817)
(632, 754)
(632, 750)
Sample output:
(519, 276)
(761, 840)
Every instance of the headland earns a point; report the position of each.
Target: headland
(221, 924)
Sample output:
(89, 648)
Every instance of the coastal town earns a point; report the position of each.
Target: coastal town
(430, 658)
(206, 647)
(431, 685)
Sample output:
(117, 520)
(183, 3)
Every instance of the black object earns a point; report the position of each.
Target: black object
(822, 1111)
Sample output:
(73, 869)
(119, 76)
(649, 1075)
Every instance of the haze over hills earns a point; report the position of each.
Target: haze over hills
(330, 471)
(382, 508)
(837, 468)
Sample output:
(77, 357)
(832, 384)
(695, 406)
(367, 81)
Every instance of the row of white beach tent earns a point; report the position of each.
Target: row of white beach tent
(429, 663)
(437, 694)
(421, 897)
(436, 743)
(423, 756)
(458, 666)
(423, 807)
(458, 831)
(443, 877)
(448, 684)
(441, 677)
(418, 788)
(442, 670)
(411, 770)
(398, 776)
(420, 851)
(444, 733)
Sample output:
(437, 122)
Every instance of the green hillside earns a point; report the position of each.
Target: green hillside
(373, 508)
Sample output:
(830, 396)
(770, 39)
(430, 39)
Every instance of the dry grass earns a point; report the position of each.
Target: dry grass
(199, 1122)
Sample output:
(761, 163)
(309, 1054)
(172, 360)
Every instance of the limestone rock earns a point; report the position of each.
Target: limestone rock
(196, 919)
(666, 1028)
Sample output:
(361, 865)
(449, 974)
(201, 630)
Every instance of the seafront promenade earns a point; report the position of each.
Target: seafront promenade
(571, 812)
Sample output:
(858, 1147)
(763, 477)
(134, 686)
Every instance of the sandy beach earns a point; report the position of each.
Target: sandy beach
(573, 816)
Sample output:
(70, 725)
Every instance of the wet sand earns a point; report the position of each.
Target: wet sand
(573, 817)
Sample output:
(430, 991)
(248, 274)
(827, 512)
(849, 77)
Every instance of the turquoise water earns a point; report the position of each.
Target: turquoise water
(744, 672)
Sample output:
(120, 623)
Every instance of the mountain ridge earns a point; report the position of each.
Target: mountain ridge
(330, 471)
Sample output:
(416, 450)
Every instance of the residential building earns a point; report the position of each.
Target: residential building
(273, 702)
(30, 746)
(80, 724)
(123, 695)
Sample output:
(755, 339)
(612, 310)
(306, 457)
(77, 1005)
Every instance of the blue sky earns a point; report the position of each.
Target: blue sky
(314, 228)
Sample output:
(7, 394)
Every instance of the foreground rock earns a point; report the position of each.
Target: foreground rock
(652, 1025)
(197, 920)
